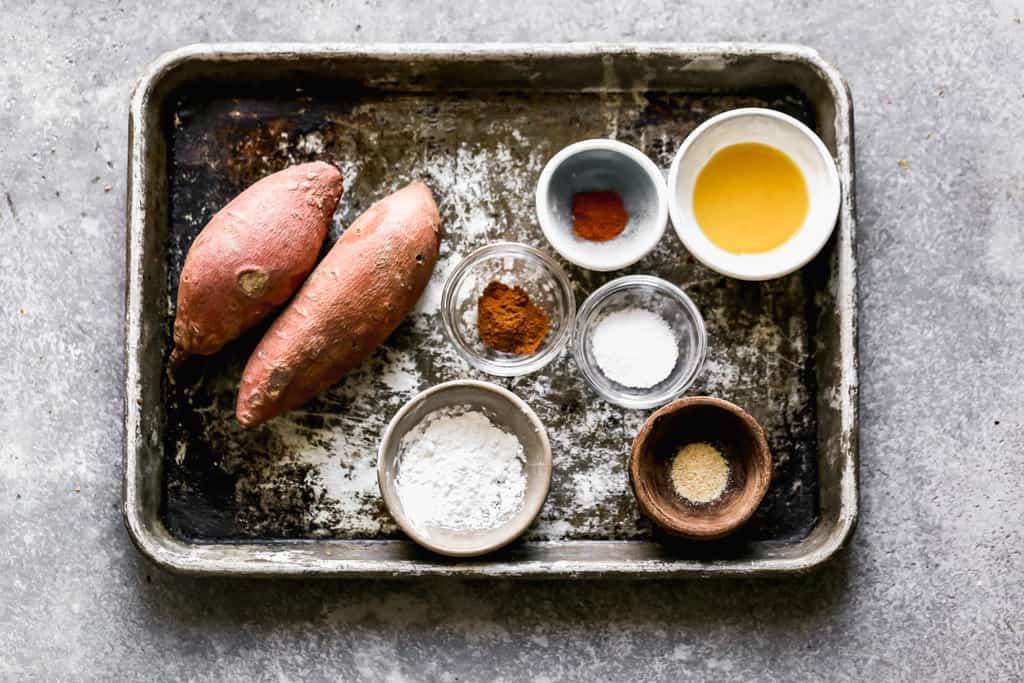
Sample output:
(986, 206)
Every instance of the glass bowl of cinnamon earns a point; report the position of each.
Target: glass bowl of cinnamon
(508, 309)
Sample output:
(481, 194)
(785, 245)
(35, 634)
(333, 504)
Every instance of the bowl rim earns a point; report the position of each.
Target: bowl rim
(513, 367)
(598, 296)
(679, 525)
(643, 246)
(683, 228)
(390, 495)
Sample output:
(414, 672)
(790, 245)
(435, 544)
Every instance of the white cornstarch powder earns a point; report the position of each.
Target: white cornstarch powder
(635, 347)
(457, 470)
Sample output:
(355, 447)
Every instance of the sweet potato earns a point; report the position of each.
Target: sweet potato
(252, 256)
(352, 302)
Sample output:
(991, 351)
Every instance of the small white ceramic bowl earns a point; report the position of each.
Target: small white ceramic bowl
(511, 414)
(596, 165)
(785, 134)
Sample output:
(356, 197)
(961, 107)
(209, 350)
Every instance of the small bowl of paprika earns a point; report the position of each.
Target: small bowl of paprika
(508, 309)
(602, 204)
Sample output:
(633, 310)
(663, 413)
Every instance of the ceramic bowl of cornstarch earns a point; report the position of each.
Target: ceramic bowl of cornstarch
(464, 468)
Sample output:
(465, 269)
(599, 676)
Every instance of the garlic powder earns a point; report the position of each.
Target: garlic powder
(699, 473)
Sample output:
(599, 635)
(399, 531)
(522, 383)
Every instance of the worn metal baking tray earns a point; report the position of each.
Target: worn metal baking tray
(477, 122)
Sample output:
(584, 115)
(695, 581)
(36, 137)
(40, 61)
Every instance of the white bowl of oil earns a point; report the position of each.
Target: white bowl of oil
(753, 194)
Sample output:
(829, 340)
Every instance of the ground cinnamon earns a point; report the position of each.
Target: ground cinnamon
(508, 321)
(598, 216)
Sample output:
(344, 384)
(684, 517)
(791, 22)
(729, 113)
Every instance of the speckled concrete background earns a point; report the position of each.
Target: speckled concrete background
(933, 583)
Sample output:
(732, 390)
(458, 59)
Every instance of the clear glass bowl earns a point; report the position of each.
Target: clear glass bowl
(513, 264)
(655, 295)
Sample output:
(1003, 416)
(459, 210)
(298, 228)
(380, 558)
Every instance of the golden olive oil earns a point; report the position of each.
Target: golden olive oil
(749, 198)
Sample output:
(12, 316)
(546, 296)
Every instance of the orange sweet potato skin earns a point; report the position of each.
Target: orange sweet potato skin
(252, 256)
(352, 302)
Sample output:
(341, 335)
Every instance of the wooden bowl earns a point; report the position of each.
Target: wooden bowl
(698, 419)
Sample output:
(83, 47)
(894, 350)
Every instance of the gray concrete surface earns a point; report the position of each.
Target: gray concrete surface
(932, 585)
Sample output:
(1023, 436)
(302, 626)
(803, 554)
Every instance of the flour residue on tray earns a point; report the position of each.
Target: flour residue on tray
(430, 300)
(345, 461)
(401, 375)
(479, 190)
(342, 475)
(590, 495)
(315, 468)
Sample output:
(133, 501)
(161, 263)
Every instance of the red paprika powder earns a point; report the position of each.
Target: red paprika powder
(598, 216)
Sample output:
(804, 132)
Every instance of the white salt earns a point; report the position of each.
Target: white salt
(635, 347)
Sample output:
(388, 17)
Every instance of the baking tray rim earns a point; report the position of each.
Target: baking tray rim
(292, 558)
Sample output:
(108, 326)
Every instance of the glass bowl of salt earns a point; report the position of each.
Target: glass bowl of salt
(639, 341)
